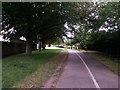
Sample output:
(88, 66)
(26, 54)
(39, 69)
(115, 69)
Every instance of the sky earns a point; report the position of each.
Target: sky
(1, 38)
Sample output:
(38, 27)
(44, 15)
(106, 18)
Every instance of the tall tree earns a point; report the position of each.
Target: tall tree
(35, 21)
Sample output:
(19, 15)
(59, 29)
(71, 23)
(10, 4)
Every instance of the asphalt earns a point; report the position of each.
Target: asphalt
(82, 71)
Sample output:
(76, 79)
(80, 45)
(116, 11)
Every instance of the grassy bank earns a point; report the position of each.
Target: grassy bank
(109, 61)
(18, 67)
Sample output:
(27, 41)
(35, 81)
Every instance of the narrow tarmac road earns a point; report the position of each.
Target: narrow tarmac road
(82, 71)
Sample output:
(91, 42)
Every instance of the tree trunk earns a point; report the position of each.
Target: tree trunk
(39, 46)
(28, 49)
(43, 46)
(49, 45)
(71, 46)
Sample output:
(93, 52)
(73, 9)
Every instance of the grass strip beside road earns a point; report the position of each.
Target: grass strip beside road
(108, 61)
(18, 67)
(39, 77)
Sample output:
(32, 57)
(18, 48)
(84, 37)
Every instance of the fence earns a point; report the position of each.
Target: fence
(10, 48)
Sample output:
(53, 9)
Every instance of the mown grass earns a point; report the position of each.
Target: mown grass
(16, 68)
(38, 78)
(109, 61)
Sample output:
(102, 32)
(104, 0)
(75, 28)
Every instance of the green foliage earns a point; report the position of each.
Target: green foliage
(107, 41)
(92, 28)
(36, 21)
(45, 21)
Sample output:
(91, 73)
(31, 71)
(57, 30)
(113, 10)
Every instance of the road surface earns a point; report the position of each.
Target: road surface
(82, 71)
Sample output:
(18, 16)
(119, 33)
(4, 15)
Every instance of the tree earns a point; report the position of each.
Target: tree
(20, 17)
(37, 22)
(100, 28)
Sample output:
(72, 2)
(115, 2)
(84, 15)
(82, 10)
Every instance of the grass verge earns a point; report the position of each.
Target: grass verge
(39, 78)
(110, 62)
(52, 82)
(17, 69)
